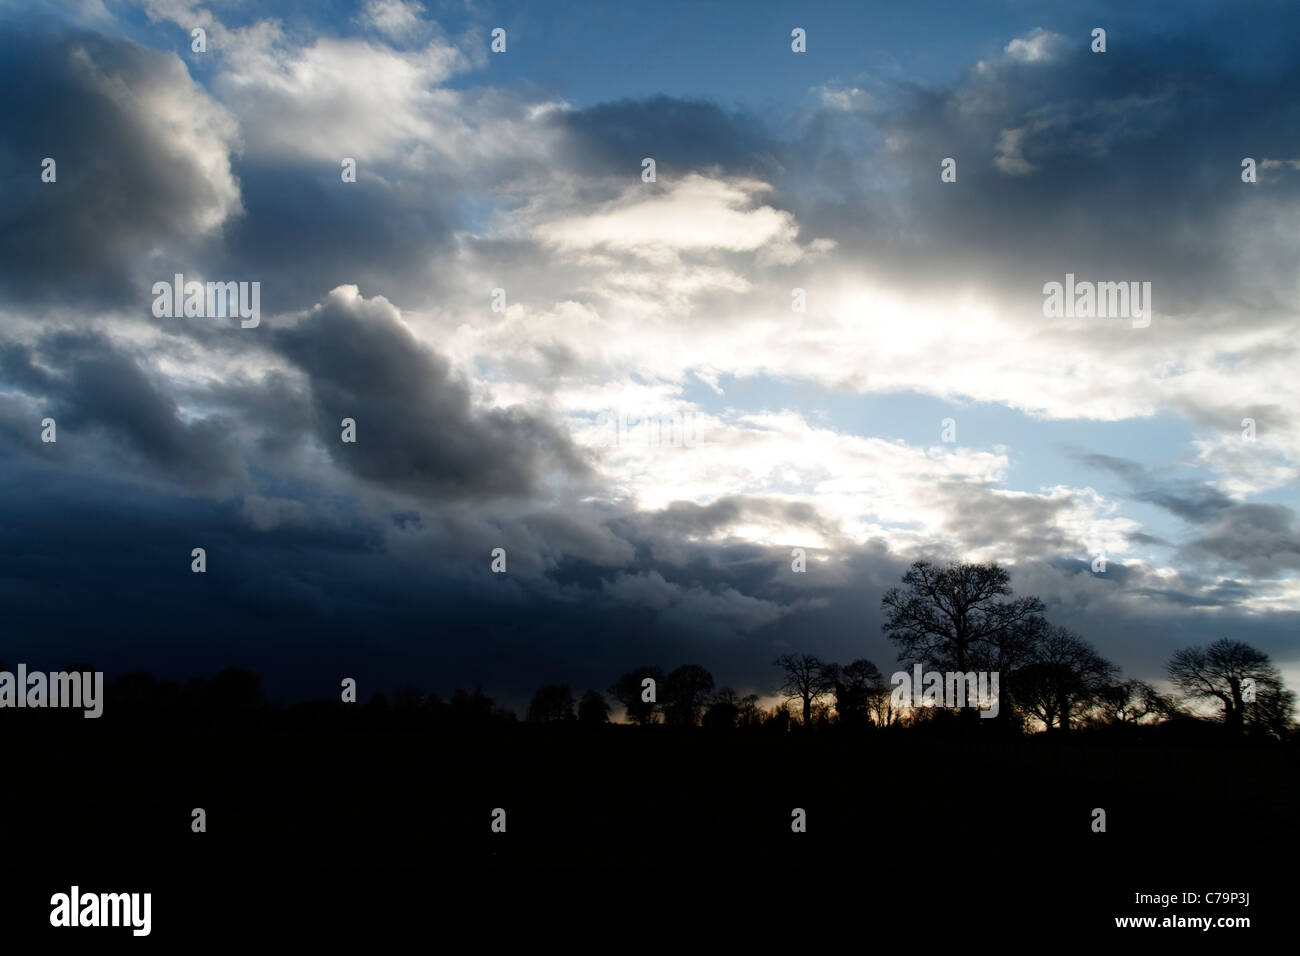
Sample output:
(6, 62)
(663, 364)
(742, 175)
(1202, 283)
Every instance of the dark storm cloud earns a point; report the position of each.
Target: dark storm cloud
(1262, 539)
(1022, 524)
(1118, 165)
(419, 433)
(1136, 581)
(149, 183)
(416, 428)
(96, 569)
(571, 537)
(689, 518)
(1193, 501)
(1142, 538)
(98, 392)
(680, 135)
(1131, 471)
(141, 159)
(1116, 573)
(1190, 500)
(1139, 621)
(305, 232)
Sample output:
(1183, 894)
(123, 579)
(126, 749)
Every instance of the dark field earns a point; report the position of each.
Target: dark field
(323, 824)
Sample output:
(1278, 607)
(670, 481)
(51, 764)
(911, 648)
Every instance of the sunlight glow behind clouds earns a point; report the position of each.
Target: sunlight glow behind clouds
(623, 296)
(696, 214)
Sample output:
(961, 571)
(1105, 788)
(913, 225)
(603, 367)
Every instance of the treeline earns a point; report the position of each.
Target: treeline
(961, 619)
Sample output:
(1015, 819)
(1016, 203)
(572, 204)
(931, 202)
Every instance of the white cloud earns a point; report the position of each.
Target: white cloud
(1037, 46)
(1010, 156)
(846, 99)
(696, 214)
(1248, 467)
(342, 97)
(394, 18)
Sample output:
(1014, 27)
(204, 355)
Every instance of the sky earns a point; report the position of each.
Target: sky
(645, 422)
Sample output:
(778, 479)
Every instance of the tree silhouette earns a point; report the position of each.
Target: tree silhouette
(1129, 702)
(593, 709)
(628, 691)
(807, 679)
(1272, 713)
(377, 708)
(857, 686)
(234, 690)
(140, 694)
(777, 720)
(953, 618)
(468, 709)
(407, 701)
(433, 707)
(1064, 677)
(552, 703)
(724, 710)
(1222, 672)
(686, 690)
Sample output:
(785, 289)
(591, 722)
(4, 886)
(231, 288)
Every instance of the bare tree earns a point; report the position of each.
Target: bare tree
(1130, 702)
(723, 711)
(686, 691)
(778, 719)
(593, 709)
(1272, 712)
(807, 679)
(551, 704)
(1229, 672)
(1064, 677)
(856, 687)
(954, 618)
(629, 691)
(880, 704)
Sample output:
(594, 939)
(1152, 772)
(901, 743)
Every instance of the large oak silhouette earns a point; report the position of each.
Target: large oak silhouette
(954, 618)
(807, 679)
(1222, 673)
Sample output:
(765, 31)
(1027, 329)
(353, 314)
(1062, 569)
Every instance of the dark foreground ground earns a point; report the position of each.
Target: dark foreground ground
(914, 840)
